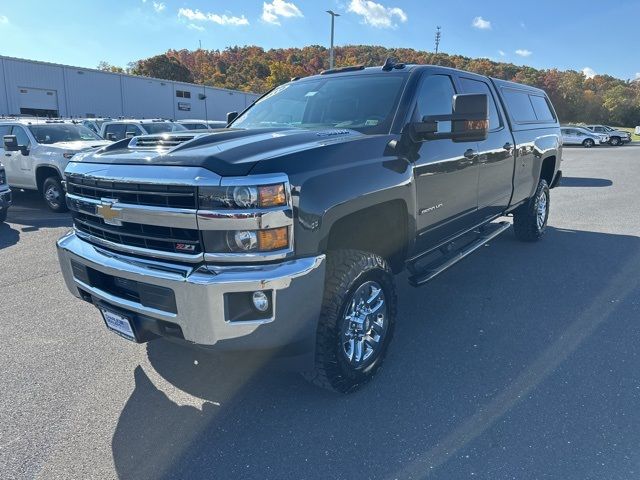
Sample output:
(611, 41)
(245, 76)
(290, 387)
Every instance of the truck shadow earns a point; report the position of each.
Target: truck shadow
(585, 182)
(471, 350)
(8, 236)
(30, 213)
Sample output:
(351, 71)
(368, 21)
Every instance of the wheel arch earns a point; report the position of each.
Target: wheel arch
(43, 172)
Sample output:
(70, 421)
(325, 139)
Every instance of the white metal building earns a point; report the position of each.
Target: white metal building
(47, 89)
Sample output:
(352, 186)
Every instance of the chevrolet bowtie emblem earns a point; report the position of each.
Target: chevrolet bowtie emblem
(109, 213)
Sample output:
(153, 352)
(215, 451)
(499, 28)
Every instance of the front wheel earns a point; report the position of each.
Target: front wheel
(53, 195)
(614, 141)
(356, 320)
(530, 220)
(588, 143)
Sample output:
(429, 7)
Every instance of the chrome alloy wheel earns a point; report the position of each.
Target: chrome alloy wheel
(52, 195)
(364, 324)
(541, 214)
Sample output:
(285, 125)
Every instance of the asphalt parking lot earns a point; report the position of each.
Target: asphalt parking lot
(520, 362)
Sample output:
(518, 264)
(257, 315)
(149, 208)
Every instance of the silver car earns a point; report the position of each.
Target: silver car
(581, 136)
(616, 137)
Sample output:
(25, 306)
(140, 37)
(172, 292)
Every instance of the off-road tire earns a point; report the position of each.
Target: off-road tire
(525, 218)
(60, 205)
(346, 271)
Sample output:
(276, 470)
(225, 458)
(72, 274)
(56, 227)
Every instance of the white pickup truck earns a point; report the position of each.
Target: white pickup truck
(35, 153)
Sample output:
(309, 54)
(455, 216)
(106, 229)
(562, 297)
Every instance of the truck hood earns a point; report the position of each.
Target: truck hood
(226, 152)
(79, 145)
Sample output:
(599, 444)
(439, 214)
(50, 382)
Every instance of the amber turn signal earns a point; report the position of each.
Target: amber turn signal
(273, 239)
(272, 195)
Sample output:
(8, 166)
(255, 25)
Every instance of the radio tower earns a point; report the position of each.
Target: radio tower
(438, 36)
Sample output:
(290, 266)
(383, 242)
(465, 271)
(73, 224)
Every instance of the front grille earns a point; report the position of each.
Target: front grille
(171, 196)
(164, 239)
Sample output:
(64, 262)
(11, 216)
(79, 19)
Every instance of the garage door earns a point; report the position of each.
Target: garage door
(38, 101)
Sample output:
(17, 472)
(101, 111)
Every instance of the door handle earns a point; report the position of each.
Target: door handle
(507, 146)
(470, 154)
(7, 154)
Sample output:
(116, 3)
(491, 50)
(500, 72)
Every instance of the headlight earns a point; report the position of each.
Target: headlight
(242, 196)
(258, 240)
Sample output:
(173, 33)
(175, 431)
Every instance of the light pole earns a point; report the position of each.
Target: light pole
(333, 18)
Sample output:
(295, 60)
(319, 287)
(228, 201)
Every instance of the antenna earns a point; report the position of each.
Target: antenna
(438, 36)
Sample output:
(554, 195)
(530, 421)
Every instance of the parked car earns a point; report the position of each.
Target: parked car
(616, 137)
(35, 154)
(581, 136)
(5, 195)
(119, 129)
(285, 231)
(202, 124)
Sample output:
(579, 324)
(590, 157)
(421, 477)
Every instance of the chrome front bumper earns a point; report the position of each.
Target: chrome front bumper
(201, 310)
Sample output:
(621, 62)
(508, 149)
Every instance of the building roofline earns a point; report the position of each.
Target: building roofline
(197, 85)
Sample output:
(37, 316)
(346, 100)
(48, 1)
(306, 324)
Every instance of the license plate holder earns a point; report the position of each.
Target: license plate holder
(119, 322)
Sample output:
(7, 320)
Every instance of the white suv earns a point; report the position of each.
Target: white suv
(120, 129)
(616, 137)
(36, 152)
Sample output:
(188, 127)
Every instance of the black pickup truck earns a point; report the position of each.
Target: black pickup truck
(283, 231)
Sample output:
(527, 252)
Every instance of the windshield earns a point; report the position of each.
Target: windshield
(63, 132)
(163, 127)
(364, 102)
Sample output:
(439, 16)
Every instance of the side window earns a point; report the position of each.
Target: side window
(435, 97)
(519, 105)
(478, 86)
(4, 130)
(542, 108)
(132, 130)
(21, 136)
(116, 129)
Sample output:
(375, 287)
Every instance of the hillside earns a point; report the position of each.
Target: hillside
(601, 99)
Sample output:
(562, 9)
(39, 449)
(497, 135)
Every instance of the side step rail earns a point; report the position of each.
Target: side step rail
(436, 268)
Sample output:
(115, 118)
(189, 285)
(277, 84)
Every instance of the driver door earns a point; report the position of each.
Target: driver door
(24, 162)
(445, 172)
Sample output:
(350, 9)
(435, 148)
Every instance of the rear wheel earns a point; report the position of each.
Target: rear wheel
(53, 194)
(530, 220)
(588, 143)
(356, 321)
(614, 141)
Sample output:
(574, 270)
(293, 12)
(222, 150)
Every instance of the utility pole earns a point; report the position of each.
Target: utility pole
(438, 36)
(199, 44)
(333, 17)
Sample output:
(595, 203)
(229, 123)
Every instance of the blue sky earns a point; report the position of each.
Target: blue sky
(601, 37)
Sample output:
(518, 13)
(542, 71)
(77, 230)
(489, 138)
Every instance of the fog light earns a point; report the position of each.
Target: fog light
(260, 301)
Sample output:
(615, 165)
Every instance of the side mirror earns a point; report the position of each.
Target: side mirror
(11, 145)
(129, 135)
(231, 116)
(469, 121)
(111, 136)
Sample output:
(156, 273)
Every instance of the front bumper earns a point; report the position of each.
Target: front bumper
(201, 306)
(5, 199)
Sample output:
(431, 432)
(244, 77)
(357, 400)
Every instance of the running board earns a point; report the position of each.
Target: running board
(436, 268)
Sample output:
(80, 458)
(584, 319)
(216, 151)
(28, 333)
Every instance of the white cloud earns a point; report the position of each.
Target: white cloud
(481, 24)
(193, 26)
(271, 12)
(502, 53)
(198, 16)
(589, 72)
(523, 52)
(638, 76)
(376, 14)
(159, 6)
(4, 20)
